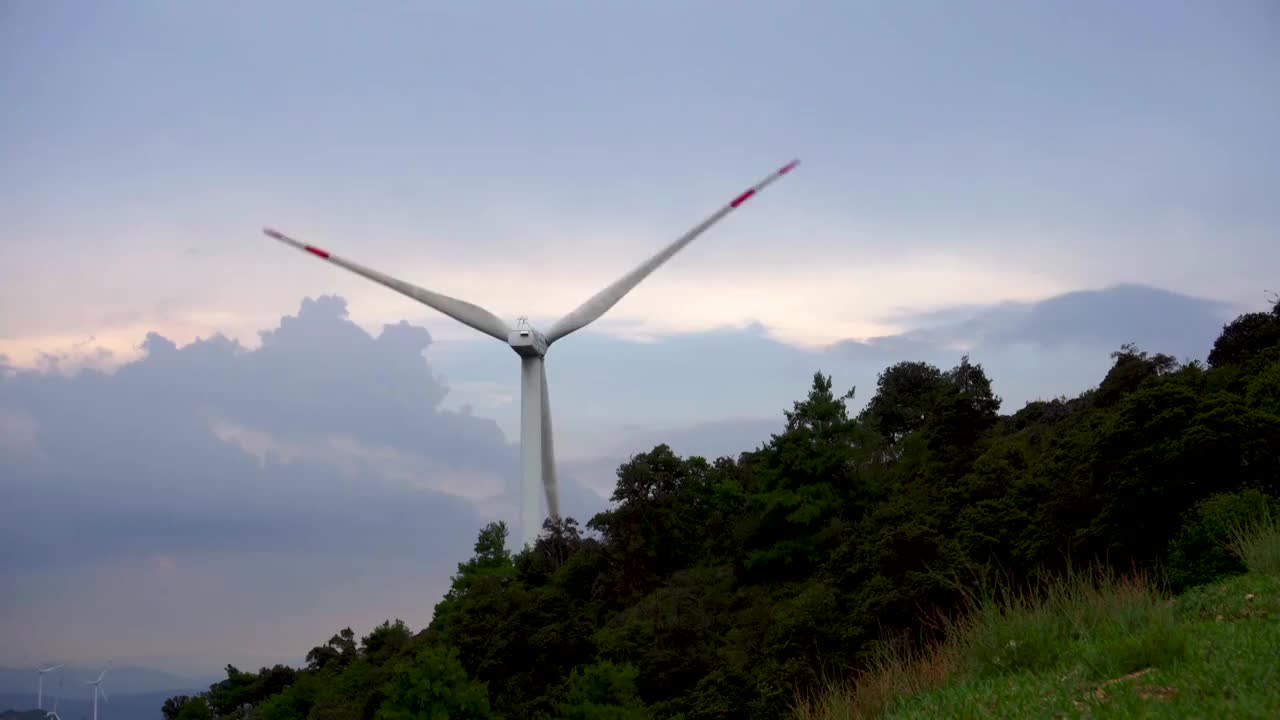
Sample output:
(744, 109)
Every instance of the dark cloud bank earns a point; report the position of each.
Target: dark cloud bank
(130, 461)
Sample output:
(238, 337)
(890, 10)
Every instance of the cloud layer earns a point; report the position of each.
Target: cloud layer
(271, 478)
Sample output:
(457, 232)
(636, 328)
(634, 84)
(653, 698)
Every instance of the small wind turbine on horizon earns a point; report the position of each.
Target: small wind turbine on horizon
(41, 672)
(536, 446)
(54, 712)
(97, 690)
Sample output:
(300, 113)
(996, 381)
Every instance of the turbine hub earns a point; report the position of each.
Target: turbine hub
(527, 341)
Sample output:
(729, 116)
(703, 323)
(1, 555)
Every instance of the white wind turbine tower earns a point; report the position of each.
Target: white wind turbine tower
(52, 713)
(97, 690)
(536, 447)
(40, 684)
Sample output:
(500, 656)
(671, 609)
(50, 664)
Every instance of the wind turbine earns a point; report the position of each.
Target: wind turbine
(52, 713)
(97, 690)
(536, 447)
(40, 684)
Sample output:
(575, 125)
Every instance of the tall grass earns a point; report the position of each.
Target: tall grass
(1257, 543)
(1098, 624)
(895, 671)
(1095, 627)
(1107, 624)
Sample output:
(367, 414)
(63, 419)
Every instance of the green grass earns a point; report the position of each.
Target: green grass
(1258, 544)
(1097, 646)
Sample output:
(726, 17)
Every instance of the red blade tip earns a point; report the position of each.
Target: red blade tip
(273, 233)
(789, 167)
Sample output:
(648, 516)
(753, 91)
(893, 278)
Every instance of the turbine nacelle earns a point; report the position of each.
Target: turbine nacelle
(526, 340)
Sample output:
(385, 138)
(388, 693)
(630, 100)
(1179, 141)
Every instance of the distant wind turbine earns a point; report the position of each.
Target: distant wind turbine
(40, 684)
(54, 712)
(536, 447)
(97, 689)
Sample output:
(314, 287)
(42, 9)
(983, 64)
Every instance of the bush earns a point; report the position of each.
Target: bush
(1202, 551)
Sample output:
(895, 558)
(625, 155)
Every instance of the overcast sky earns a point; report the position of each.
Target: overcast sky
(975, 176)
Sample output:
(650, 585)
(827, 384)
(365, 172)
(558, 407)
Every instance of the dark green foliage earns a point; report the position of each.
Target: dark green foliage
(1201, 552)
(385, 642)
(185, 707)
(433, 686)
(722, 589)
(1248, 336)
(1132, 368)
(603, 691)
(906, 395)
(339, 651)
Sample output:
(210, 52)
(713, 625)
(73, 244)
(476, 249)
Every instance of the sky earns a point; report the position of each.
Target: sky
(216, 449)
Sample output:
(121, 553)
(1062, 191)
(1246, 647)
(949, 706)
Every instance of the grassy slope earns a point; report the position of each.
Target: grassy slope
(1094, 647)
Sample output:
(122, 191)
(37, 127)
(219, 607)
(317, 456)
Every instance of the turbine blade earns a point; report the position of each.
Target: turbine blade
(548, 452)
(600, 303)
(460, 310)
(104, 695)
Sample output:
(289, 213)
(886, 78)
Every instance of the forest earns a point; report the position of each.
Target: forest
(732, 588)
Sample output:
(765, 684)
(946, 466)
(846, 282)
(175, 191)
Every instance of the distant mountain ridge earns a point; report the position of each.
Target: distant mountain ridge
(1164, 319)
(70, 681)
(134, 692)
(139, 706)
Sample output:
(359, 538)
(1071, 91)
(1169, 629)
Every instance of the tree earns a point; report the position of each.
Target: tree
(490, 567)
(808, 476)
(965, 408)
(385, 641)
(432, 685)
(906, 394)
(341, 649)
(1132, 367)
(1246, 337)
(186, 707)
(654, 529)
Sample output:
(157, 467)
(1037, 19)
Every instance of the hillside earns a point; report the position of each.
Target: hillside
(1093, 647)
(731, 588)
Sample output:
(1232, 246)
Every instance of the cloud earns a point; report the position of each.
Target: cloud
(267, 478)
(17, 432)
(1162, 320)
